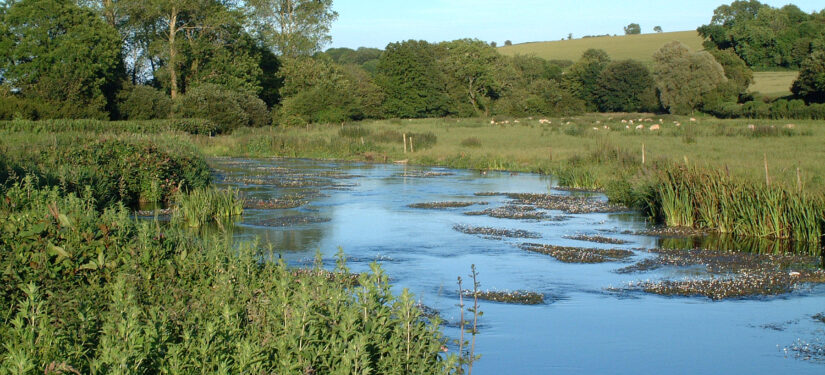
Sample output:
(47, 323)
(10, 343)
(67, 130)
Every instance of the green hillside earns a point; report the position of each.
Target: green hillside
(637, 47)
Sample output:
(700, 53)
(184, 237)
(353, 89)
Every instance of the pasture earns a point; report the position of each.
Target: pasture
(637, 47)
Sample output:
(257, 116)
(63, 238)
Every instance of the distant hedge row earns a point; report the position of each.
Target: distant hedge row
(191, 126)
(780, 109)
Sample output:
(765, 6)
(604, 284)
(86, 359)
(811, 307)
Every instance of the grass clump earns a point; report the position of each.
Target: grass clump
(206, 205)
(471, 142)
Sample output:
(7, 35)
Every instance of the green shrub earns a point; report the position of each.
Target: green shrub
(228, 109)
(191, 126)
(142, 102)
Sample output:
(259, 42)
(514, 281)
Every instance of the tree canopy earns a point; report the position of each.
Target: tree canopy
(682, 77)
(59, 53)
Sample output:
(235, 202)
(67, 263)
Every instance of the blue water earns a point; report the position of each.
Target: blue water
(582, 327)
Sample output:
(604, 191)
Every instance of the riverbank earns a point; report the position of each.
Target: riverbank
(631, 157)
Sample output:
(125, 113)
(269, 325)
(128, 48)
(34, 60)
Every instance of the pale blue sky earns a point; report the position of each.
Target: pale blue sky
(372, 23)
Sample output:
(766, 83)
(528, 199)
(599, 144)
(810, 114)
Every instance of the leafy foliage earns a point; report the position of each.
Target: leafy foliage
(294, 27)
(626, 86)
(763, 36)
(59, 54)
(139, 102)
(581, 79)
(811, 82)
(682, 77)
(409, 75)
(633, 29)
(226, 108)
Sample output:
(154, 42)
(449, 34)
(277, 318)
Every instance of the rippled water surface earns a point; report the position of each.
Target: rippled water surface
(583, 326)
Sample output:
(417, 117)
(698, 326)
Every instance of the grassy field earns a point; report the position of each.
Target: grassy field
(773, 84)
(637, 47)
(531, 146)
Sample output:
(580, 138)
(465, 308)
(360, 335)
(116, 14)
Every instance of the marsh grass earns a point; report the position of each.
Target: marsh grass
(207, 205)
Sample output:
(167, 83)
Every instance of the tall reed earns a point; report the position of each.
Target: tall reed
(204, 205)
(706, 199)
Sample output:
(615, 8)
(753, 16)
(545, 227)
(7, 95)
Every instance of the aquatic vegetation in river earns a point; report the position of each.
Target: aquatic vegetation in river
(290, 201)
(597, 239)
(520, 297)
(496, 233)
(201, 206)
(511, 212)
(578, 254)
(445, 204)
(571, 204)
(288, 221)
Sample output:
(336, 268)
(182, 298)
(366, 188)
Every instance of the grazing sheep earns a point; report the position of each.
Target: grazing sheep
(661, 120)
(790, 126)
(640, 127)
(692, 119)
(627, 126)
(624, 121)
(752, 127)
(678, 124)
(630, 122)
(654, 127)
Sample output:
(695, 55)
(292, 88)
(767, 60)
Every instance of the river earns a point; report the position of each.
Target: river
(589, 323)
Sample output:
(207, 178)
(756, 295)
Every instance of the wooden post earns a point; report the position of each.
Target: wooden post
(767, 175)
(362, 141)
(412, 149)
(643, 153)
(405, 142)
(798, 179)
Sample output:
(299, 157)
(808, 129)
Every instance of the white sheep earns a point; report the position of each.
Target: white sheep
(640, 127)
(654, 127)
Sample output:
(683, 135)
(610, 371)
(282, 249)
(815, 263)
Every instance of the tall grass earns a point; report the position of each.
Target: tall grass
(707, 199)
(207, 205)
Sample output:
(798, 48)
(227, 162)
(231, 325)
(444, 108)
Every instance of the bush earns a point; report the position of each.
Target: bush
(626, 86)
(114, 170)
(143, 103)
(228, 109)
(191, 126)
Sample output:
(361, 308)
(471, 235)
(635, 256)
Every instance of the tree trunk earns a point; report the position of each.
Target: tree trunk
(173, 74)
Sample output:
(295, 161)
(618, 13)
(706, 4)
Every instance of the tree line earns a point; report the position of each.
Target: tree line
(259, 62)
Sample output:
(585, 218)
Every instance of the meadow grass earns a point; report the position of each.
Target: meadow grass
(637, 47)
(773, 84)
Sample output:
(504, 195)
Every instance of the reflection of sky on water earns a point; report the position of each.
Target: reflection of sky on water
(582, 329)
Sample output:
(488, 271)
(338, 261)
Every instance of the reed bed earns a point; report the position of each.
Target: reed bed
(207, 205)
(711, 200)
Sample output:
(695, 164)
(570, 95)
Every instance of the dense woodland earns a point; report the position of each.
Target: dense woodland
(259, 63)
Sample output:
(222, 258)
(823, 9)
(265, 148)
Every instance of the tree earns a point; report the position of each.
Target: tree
(625, 86)
(581, 78)
(59, 53)
(632, 29)
(811, 82)
(657, 29)
(294, 27)
(410, 77)
(493, 44)
(682, 77)
(764, 36)
(508, 43)
(471, 64)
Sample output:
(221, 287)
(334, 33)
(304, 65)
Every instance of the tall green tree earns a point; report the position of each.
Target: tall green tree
(682, 77)
(811, 82)
(632, 29)
(626, 86)
(471, 66)
(581, 78)
(57, 52)
(412, 81)
(293, 27)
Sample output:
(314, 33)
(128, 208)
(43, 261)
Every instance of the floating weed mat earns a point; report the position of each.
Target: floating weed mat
(275, 203)
(597, 239)
(570, 204)
(732, 274)
(489, 194)
(495, 233)
(288, 221)
(511, 212)
(807, 351)
(578, 254)
(158, 212)
(445, 204)
(518, 297)
(424, 174)
(820, 317)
